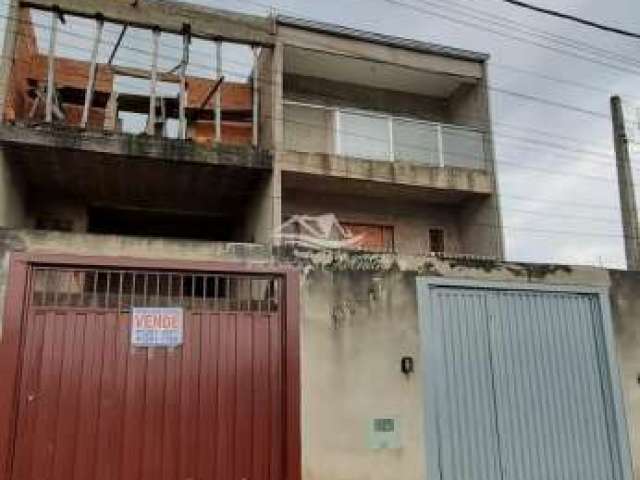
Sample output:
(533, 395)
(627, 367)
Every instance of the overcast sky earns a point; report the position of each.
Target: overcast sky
(554, 163)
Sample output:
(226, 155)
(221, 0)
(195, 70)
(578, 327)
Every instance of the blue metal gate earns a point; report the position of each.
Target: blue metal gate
(520, 385)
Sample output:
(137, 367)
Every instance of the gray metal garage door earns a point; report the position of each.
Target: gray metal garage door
(520, 385)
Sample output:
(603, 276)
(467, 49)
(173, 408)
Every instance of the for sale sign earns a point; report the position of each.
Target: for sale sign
(156, 327)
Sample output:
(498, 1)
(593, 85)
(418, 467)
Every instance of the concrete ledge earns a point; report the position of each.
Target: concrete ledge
(139, 146)
(399, 173)
(170, 16)
(41, 241)
(308, 261)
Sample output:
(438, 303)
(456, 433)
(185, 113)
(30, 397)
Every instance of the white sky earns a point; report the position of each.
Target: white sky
(544, 189)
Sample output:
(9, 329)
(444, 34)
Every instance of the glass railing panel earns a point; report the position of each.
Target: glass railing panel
(364, 136)
(415, 142)
(463, 147)
(321, 129)
(308, 129)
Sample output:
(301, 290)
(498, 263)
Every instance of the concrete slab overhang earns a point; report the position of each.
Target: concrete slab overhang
(93, 177)
(380, 39)
(134, 146)
(359, 48)
(377, 178)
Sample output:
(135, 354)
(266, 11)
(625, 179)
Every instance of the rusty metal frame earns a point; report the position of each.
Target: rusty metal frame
(11, 342)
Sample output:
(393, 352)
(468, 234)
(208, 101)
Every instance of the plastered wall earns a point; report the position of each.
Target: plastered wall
(625, 303)
(411, 220)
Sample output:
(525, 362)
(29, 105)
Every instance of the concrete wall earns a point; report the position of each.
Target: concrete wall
(338, 94)
(356, 327)
(358, 318)
(12, 195)
(355, 330)
(480, 228)
(466, 106)
(58, 213)
(411, 220)
(258, 224)
(625, 303)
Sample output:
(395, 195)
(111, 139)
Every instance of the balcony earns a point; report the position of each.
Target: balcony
(403, 155)
(372, 136)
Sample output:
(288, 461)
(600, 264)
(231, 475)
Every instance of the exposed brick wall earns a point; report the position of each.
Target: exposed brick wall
(73, 73)
(234, 133)
(26, 52)
(31, 66)
(234, 96)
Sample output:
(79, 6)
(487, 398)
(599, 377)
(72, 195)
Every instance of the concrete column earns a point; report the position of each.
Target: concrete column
(277, 94)
(8, 51)
(481, 230)
(277, 117)
(626, 188)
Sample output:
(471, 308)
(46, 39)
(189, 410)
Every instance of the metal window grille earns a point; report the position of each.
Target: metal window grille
(121, 290)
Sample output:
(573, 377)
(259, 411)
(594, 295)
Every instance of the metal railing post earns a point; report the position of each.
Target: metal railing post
(440, 147)
(392, 155)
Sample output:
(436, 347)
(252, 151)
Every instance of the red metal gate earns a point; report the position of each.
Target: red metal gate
(92, 406)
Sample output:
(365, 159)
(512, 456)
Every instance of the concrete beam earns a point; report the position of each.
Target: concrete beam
(170, 16)
(134, 146)
(447, 179)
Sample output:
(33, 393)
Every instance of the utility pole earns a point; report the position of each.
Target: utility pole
(626, 187)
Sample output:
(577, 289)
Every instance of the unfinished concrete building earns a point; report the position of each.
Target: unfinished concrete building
(154, 155)
(221, 130)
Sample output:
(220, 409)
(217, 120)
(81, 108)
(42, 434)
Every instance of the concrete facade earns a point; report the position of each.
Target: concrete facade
(458, 97)
(411, 220)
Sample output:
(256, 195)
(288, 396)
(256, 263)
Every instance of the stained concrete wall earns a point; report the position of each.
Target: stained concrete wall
(467, 106)
(258, 225)
(57, 212)
(411, 220)
(359, 318)
(481, 228)
(625, 303)
(12, 194)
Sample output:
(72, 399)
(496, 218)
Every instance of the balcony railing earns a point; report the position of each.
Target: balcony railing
(354, 133)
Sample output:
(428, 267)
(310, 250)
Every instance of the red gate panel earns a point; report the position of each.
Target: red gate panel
(92, 406)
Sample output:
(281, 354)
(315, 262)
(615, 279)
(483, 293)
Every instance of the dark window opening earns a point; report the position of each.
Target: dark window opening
(161, 224)
(54, 223)
(436, 240)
